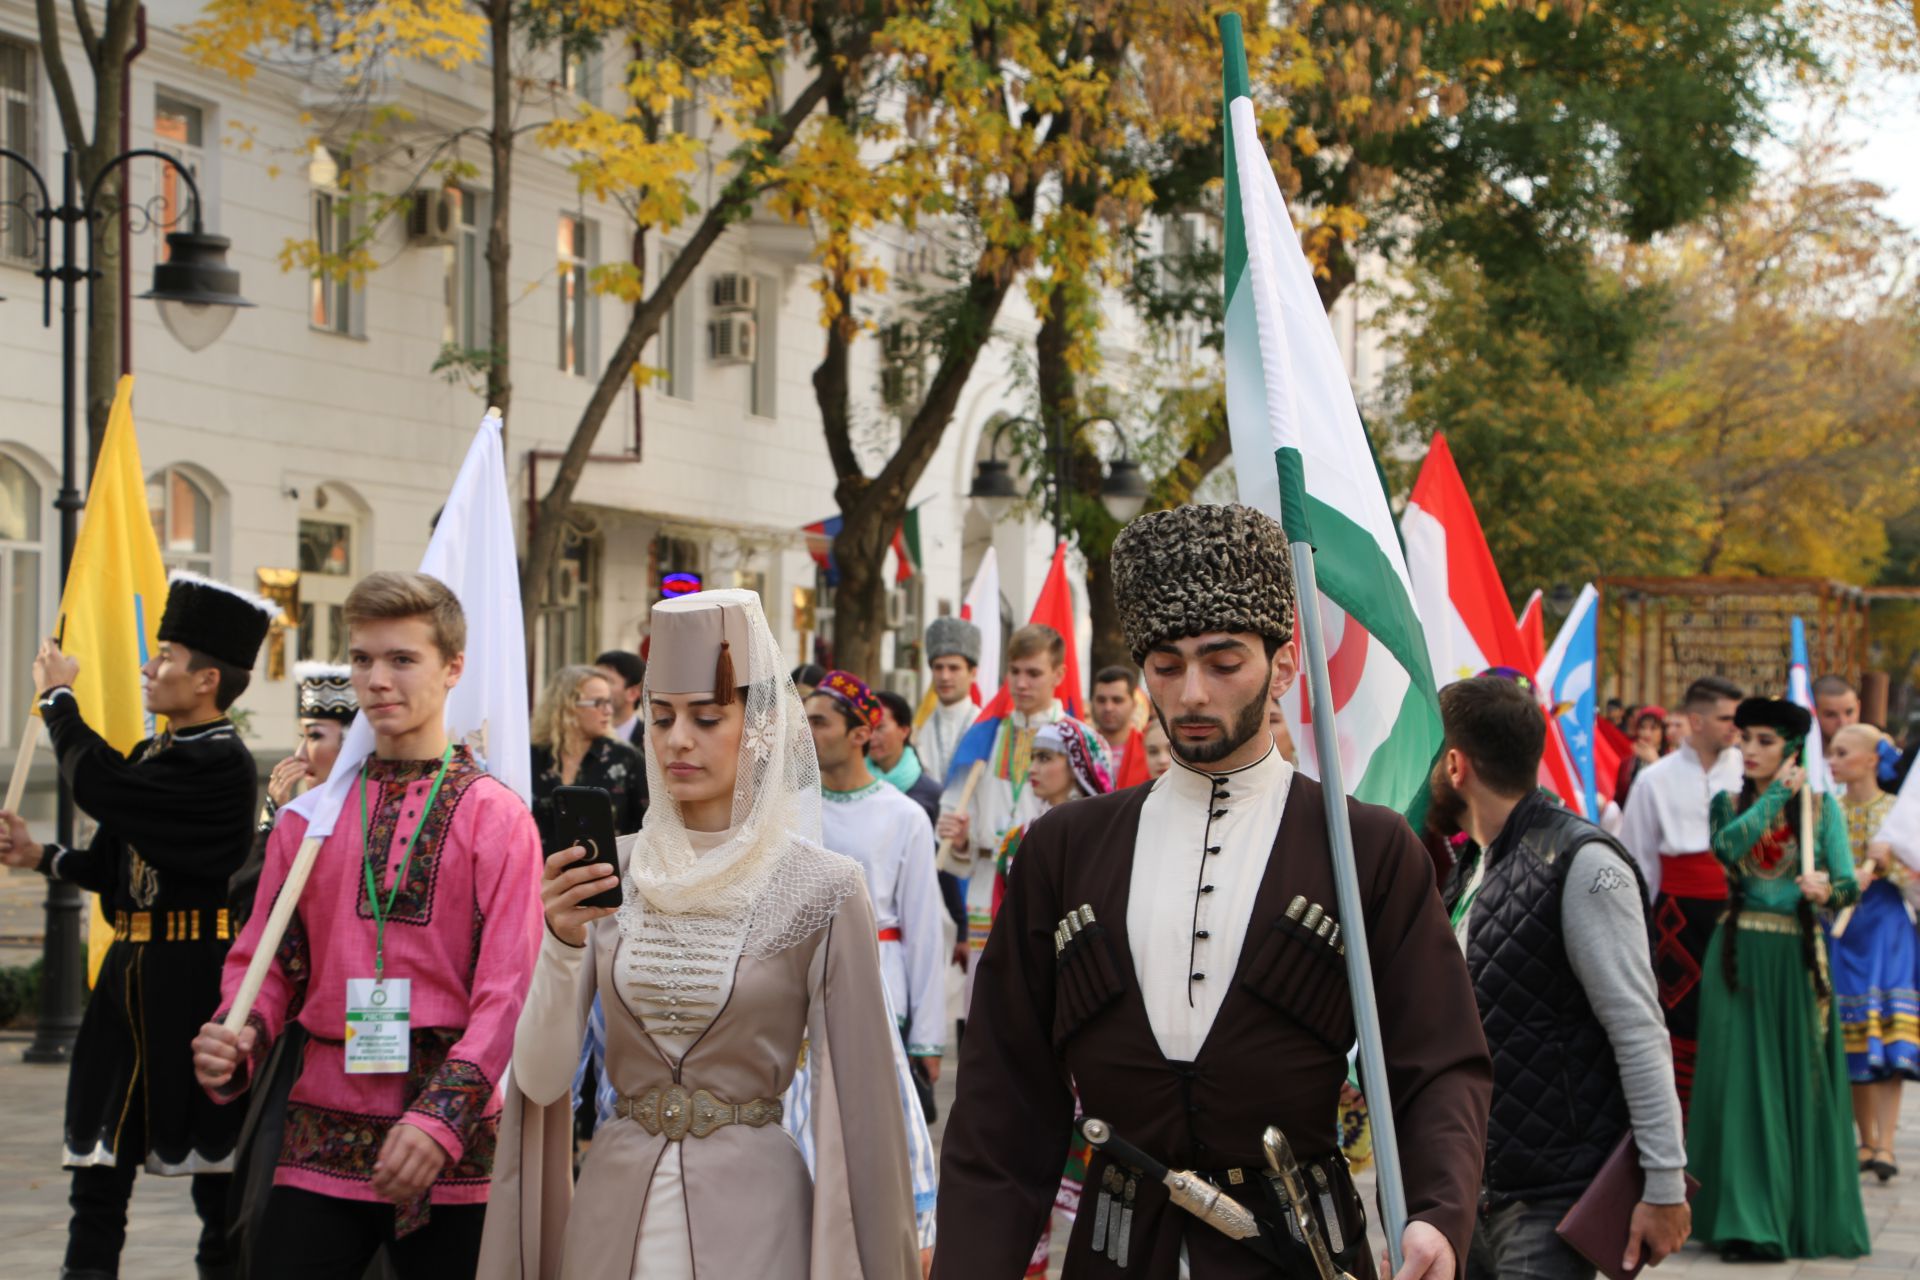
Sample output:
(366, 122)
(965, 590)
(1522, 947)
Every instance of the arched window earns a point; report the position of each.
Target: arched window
(182, 511)
(24, 557)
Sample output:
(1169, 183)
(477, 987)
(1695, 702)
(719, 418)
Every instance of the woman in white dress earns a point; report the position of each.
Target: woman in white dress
(739, 939)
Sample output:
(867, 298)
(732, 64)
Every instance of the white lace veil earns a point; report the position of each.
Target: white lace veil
(768, 884)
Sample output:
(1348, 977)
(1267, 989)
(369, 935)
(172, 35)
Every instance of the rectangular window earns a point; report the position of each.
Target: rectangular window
(762, 398)
(467, 323)
(677, 336)
(576, 247)
(331, 226)
(19, 82)
(178, 129)
(580, 74)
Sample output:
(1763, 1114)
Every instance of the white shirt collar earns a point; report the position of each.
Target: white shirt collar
(1232, 788)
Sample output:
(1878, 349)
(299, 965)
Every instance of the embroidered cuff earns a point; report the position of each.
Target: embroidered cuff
(48, 698)
(452, 1102)
(50, 860)
(926, 1051)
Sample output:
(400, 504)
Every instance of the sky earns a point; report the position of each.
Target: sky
(1883, 123)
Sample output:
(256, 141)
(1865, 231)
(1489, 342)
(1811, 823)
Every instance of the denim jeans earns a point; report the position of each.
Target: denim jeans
(1517, 1242)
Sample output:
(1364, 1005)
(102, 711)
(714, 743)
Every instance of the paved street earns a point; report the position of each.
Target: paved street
(33, 1209)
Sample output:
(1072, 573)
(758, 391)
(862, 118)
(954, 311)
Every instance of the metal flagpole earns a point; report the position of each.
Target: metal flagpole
(1353, 924)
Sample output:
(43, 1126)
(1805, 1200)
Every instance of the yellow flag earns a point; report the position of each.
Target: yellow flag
(110, 613)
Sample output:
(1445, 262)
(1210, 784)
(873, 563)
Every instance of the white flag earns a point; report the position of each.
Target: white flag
(982, 609)
(472, 552)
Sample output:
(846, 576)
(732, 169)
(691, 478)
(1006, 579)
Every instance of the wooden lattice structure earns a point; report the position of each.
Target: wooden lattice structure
(1657, 635)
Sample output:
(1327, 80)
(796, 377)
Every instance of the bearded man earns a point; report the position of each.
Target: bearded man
(1193, 1000)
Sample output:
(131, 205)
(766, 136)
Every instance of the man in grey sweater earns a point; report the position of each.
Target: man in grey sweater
(1552, 917)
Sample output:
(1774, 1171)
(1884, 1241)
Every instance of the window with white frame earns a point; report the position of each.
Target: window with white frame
(182, 512)
(675, 344)
(331, 226)
(762, 397)
(576, 251)
(24, 556)
(19, 84)
(467, 323)
(330, 543)
(179, 127)
(580, 73)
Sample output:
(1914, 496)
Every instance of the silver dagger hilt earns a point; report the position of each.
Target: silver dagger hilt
(1280, 1160)
(1188, 1191)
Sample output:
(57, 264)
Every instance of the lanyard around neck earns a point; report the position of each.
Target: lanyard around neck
(382, 910)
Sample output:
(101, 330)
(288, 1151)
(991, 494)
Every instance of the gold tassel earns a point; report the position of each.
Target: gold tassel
(723, 676)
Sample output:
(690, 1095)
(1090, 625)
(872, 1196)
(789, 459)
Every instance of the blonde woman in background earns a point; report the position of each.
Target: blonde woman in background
(574, 746)
(1874, 957)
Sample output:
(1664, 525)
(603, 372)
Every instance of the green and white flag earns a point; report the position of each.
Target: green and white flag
(1302, 456)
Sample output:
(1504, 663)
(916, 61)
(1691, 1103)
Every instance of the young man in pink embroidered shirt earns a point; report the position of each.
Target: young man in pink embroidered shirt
(390, 1137)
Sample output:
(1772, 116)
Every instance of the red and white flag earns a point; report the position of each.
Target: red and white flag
(1469, 622)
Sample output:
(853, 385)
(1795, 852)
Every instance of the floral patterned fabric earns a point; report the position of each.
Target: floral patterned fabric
(611, 765)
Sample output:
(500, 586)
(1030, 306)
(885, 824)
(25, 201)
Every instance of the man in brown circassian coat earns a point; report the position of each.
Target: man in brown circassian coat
(1196, 1008)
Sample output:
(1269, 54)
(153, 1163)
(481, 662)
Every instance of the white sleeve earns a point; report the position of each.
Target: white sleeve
(921, 913)
(553, 1024)
(1640, 832)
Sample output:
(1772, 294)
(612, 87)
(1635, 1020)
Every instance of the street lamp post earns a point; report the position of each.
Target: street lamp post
(1123, 490)
(198, 294)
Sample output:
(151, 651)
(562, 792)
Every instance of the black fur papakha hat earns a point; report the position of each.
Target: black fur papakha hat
(1197, 569)
(1788, 719)
(210, 617)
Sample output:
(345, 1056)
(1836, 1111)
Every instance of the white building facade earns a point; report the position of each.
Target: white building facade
(314, 442)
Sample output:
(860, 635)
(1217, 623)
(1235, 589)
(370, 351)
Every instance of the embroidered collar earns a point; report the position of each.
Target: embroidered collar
(1236, 786)
(411, 771)
(195, 732)
(850, 797)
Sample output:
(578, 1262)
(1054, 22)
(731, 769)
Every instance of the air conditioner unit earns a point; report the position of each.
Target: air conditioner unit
(433, 216)
(730, 340)
(904, 683)
(566, 584)
(735, 291)
(898, 340)
(900, 385)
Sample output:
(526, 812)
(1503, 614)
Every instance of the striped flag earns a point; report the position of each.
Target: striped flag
(1303, 457)
(1800, 691)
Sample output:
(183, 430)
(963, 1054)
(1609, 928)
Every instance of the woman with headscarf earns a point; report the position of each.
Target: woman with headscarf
(740, 940)
(1874, 962)
(1649, 744)
(1070, 760)
(1767, 1137)
(574, 746)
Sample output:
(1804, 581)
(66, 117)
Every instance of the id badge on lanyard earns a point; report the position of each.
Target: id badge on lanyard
(378, 1025)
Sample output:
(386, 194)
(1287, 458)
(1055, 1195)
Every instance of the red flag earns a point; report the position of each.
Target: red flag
(1610, 747)
(1533, 632)
(1055, 609)
(1133, 766)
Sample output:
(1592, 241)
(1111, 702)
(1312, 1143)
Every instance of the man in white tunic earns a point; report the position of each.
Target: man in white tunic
(976, 822)
(1665, 829)
(953, 655)
(889, 836)
(1188, 1001)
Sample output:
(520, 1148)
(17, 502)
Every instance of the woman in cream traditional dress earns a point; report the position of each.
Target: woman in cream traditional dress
(740, 938)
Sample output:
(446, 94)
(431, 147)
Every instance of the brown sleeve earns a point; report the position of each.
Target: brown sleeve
(863, 1197)
(1006, 1138)
(1437, 1064)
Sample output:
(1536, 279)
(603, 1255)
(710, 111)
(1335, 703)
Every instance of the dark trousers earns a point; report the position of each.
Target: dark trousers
(308, 1236)
(98, 1228)
(1517, 1242)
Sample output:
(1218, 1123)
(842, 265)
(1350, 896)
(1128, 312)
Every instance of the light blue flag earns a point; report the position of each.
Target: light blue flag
(1567, 675)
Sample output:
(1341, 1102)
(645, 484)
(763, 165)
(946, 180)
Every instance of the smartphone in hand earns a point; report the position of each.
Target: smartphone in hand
(584, 816)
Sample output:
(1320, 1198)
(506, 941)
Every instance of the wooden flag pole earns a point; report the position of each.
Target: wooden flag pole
(277, 922)
(23, 764)
(1809, 834)
(944, 859)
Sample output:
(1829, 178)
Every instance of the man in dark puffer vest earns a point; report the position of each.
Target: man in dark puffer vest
(1551, 913)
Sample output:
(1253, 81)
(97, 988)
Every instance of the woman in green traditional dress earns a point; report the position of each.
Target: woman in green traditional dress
(1770, 1137)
